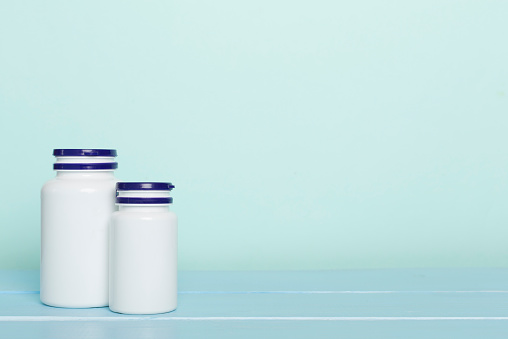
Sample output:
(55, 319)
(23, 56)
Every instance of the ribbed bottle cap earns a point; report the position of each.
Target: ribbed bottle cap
(144, 186)
(144, 201)
(72, 152)
(82, 167)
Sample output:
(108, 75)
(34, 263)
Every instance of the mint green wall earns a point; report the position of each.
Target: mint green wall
(299, 134)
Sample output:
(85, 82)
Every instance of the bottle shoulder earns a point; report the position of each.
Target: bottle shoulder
(58, 184)
(142, 215)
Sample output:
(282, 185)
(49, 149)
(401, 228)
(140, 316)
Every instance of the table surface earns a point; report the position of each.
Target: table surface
(399, 303)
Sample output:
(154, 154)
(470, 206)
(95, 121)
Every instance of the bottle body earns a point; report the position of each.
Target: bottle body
(143, 260)
(75, 213)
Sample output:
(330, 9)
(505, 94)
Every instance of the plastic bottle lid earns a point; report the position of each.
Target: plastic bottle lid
(144, 186)
(71, 152)
(78, 167)
(131, 200)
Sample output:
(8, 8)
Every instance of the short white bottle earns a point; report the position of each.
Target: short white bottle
(143, 250)
(76, 207)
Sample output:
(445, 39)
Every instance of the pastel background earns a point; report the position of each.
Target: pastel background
(299, 134)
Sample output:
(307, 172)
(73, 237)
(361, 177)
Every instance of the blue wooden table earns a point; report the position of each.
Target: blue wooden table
(411, 303)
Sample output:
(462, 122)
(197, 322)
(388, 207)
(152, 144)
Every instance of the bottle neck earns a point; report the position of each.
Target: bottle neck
(85, 174)
(84, 160)
(143, 194)
(143, 208)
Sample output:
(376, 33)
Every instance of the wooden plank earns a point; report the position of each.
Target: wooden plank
(492, 329)
(447, 304)
(459, 303)
(348, 280)
(19, 280)
(345, 280)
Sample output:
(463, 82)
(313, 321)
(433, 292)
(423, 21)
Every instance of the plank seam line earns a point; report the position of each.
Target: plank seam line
(131, 318)
(298, 292)
(331, 292)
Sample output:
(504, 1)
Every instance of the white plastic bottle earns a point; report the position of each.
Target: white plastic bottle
(76, 207)
(143, 250)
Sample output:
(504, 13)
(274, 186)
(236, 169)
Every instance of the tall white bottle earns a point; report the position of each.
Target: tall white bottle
(76, 207)
(143, 250)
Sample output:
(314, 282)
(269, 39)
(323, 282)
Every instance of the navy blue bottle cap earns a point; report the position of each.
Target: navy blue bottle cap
(144, 186)
(131, 200)
(71, 152)
(77, 167)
